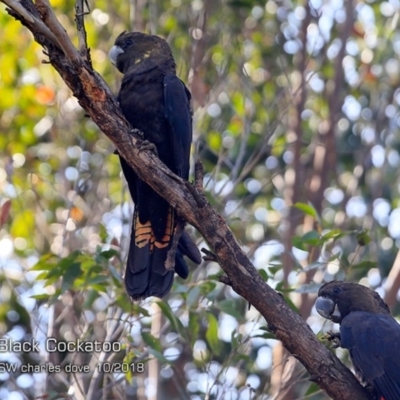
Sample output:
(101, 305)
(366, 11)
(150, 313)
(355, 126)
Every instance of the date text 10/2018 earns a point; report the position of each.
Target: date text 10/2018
(115, 367)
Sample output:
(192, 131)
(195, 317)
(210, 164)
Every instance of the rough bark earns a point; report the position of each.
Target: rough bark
(97, 100)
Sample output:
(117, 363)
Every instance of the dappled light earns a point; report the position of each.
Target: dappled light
(296, 121)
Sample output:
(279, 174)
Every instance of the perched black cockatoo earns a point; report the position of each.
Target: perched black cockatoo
(157, 103)
(368, 331)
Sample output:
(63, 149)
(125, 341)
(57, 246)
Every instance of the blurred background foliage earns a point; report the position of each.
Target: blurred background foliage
(296, 119)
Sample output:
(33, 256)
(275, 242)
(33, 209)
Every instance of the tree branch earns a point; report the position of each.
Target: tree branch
(97, 100)
(51, 21)
(80, 26)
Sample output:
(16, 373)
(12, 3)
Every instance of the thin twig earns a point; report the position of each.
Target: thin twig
(209, 256)
(197, 190)
(199, 176)
(170, 261)
(224, 279)
(31, 21)
(200, 200)
(49, 18)
(80, 26)
(19, 8)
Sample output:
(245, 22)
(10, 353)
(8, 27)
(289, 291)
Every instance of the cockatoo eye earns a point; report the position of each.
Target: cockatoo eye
(337, 290)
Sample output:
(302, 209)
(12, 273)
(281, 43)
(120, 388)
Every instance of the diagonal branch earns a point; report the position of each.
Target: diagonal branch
(97, 100)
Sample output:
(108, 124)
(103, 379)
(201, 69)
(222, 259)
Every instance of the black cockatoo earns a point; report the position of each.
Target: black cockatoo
(368, 331)
(157, 103)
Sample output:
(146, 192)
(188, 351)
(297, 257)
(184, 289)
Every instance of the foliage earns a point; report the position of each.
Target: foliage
(301, 160)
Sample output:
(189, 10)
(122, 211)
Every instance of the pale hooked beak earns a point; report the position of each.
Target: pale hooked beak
(327, 309)
(113, 54)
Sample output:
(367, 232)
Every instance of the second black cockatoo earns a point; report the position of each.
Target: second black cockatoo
(368, 331)
(157, 103)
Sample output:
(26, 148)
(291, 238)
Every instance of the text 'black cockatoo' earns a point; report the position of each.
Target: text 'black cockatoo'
(368, 331)
(157, 103)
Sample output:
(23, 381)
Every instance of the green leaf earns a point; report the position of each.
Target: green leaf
(298, 243)
(152, 341)
(273, 269)
(214, 140)
(114, 273)
(175, 322)
(91, 296)
(266, 335)
(241, 358)
(307, 209)
(237, 339)
(23, 224)
(229, 307)
(207, 287)
(136, 309)
(194, 327)
(363, 238)
(314, 265)
(312, 238)
(98, 279)
(89, 265)
(193, 296)
(66, 262)
(367, 265)
(263, 273)
(212, 334)
(264, 328)
(313, 388)
(102, 232)
(333, 234)
(46, 263)
(40, 297)
(73, 272)
(99, 287)
(160, 357)
(108, 254)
